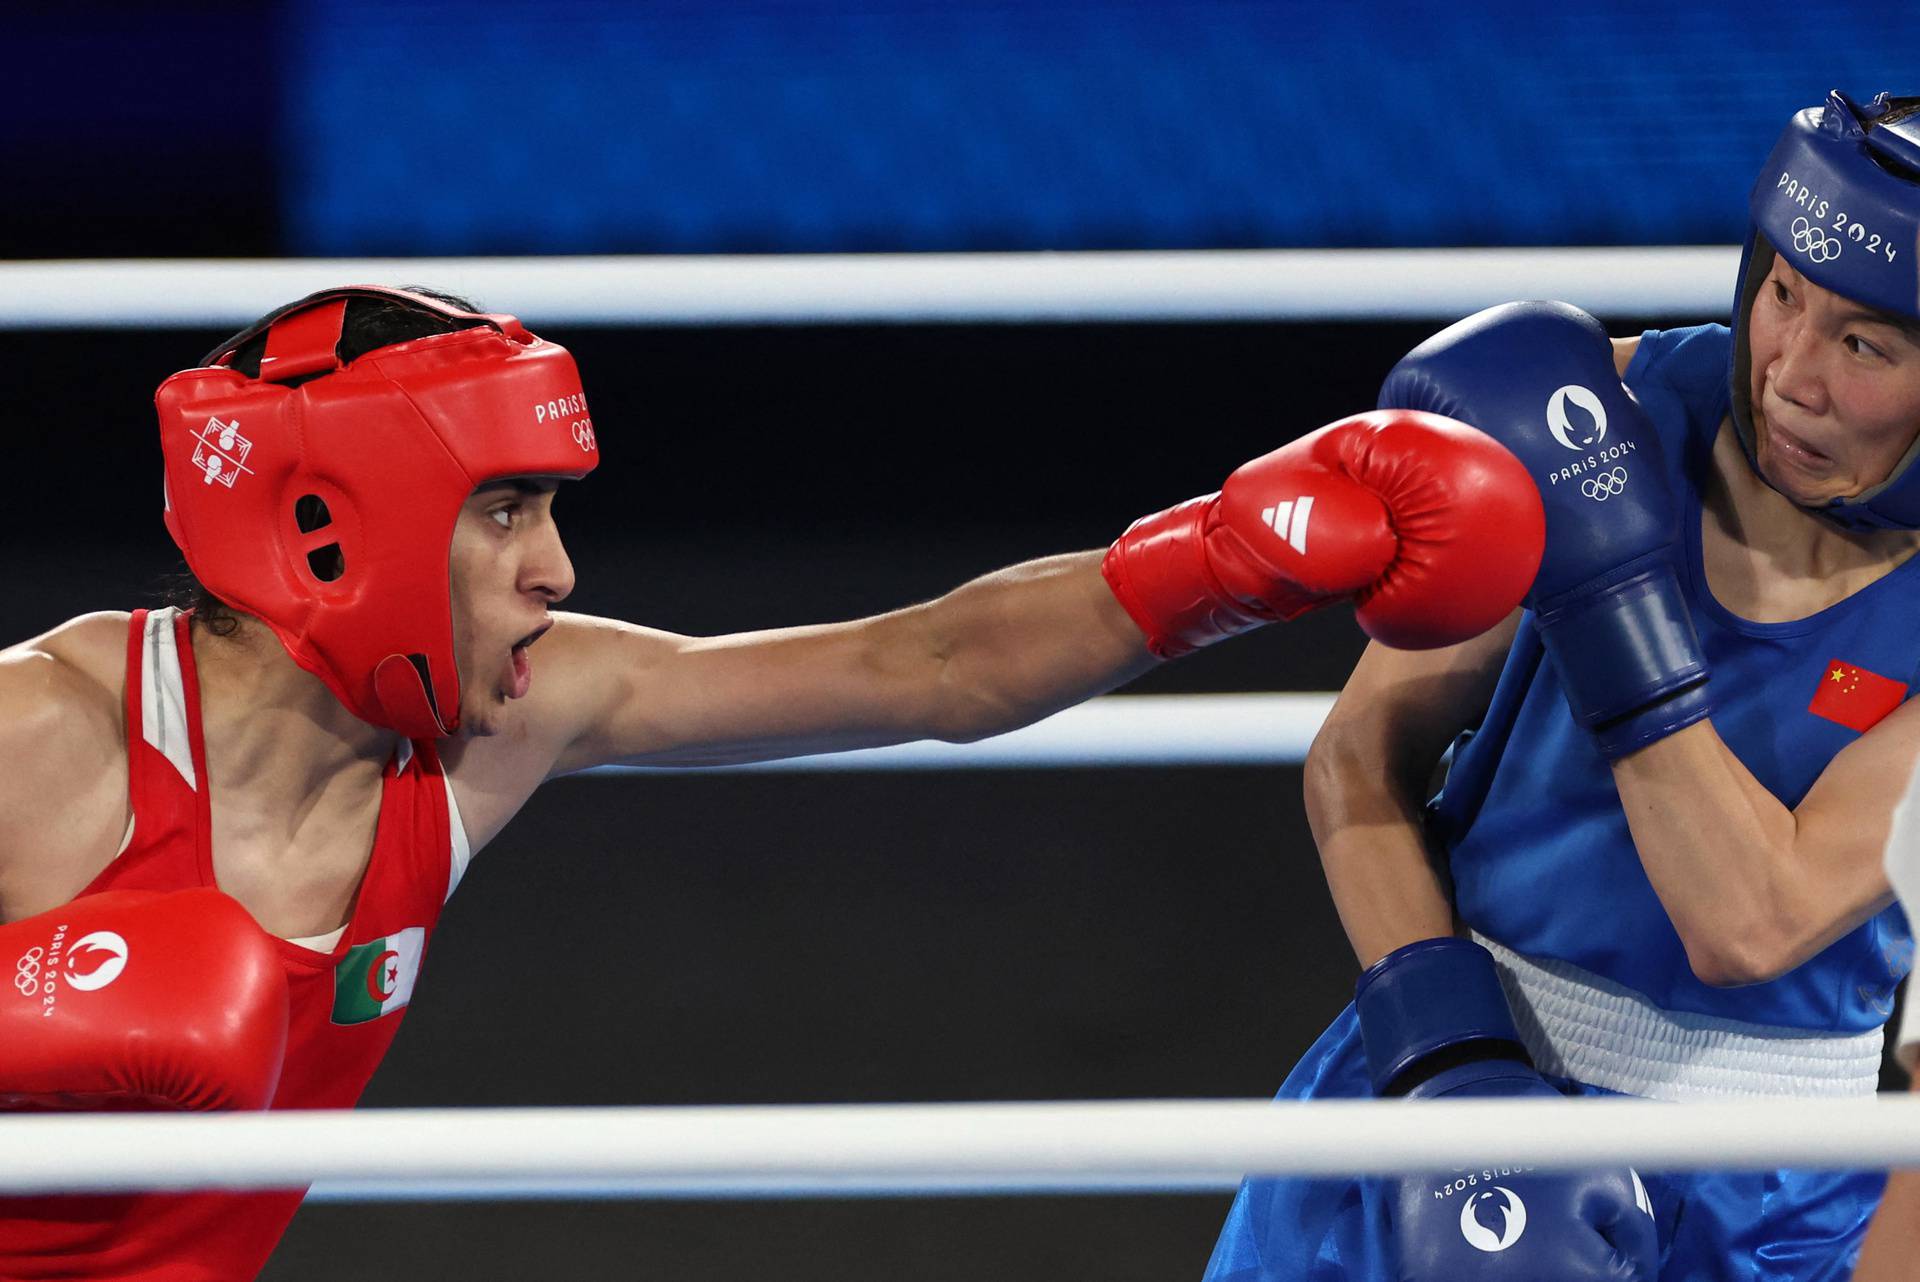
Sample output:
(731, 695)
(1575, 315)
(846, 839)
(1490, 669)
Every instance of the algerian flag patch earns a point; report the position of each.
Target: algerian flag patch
(377, 977)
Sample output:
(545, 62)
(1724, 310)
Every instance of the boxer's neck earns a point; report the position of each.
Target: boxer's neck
(1798, 542)
(271, 725)
(1771, 561)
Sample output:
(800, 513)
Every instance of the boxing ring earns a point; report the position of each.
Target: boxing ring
(821, 289)
(840, 1151)
(931, 1149)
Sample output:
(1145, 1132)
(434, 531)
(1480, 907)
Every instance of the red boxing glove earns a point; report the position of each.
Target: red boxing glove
(1432, 527)
(135, 999)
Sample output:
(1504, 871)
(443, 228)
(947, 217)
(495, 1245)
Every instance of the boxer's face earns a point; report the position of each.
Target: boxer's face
(1835, 388)
(508, 567)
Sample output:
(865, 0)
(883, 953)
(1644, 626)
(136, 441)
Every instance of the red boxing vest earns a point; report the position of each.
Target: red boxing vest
(346, 1004)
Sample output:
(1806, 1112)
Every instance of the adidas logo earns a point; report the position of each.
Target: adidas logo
(1289, 521)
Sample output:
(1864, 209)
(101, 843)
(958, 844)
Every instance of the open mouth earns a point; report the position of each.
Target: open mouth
(522, 678)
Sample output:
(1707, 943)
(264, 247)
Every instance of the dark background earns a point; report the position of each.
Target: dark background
(734, 938)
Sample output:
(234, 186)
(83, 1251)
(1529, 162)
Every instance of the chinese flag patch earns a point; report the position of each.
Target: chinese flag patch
(1855, 697)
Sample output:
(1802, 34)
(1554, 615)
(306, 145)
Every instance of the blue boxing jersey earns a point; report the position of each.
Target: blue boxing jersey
(1545, 871)
(1536, 838)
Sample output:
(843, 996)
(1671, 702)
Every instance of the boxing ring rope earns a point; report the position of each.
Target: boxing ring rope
(1118, 730)
(1284, 284)
(921, 1149)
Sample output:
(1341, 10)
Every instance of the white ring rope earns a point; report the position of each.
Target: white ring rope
(845, 1150)
(1692, 282)
(1119, 730)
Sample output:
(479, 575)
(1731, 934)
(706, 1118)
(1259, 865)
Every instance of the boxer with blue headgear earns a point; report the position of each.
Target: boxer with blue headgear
(1839, 202)
(1654, 867)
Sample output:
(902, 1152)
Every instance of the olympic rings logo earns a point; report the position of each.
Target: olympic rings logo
(1814, 242)
(1604, 486)
(583, 435)
(26, 971)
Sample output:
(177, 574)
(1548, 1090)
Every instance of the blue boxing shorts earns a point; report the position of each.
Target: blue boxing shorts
(1753, 1226)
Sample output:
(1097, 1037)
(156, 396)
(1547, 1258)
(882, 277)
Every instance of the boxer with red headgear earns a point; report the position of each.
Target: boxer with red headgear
(322, 506)
(363, 483)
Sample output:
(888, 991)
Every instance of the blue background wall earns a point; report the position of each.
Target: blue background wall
(992, 124)
(404, 126)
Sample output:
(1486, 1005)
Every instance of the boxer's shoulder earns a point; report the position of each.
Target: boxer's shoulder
(77, 668)
(63, 737)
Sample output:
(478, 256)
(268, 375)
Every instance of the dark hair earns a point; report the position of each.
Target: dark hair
(181, 590)
(1898, 109)
(368, 325)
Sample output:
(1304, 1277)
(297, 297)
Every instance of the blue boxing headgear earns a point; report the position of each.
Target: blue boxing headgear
(1840, 200)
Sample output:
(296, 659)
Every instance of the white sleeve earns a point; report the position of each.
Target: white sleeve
(1903, 872)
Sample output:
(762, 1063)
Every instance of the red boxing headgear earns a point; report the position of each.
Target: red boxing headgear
(321, 496)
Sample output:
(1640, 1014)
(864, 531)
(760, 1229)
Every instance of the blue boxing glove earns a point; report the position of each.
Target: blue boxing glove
(1435, 1024)
(1540, 379)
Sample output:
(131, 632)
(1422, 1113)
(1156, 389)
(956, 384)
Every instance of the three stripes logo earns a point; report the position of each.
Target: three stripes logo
(1289, 521)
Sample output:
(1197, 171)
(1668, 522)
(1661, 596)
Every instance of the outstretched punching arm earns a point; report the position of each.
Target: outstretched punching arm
(1428, 525)
(994, 653)
(1425, 523)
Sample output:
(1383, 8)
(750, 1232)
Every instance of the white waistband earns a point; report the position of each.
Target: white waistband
(1580, 1026)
